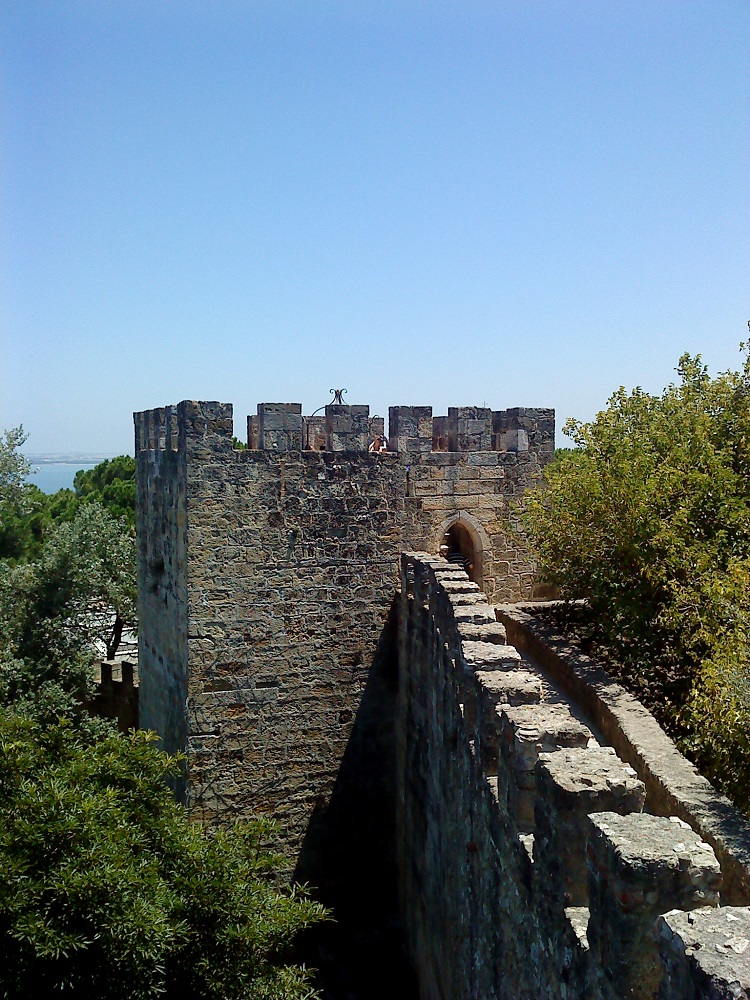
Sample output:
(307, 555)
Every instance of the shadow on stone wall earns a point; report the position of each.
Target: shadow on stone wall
(349, 852)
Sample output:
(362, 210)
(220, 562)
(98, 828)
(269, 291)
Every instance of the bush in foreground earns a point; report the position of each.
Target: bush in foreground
(109, 892)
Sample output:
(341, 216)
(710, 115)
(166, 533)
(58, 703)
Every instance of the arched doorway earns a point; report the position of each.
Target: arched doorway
(461, 550)
(462, 534)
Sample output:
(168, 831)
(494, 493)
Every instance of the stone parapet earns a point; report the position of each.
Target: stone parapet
(116, 688)
(469, 428)
(673, 785)
(197, 427)
(572, 909)
(347, 427)
(573, 783)
(640, 867)
(522, 429)
(410, 429)
(280, 426)
(705, 954)
(529, 732)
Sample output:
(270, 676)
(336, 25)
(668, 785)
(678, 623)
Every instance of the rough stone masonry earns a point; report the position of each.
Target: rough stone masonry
(382, 717)
(266, 578)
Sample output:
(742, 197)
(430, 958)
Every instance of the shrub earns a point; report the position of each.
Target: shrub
(649, 519)
(109, 892)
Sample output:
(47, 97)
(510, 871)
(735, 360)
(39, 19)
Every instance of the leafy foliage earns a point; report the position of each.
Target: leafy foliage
(109, 892)
(112, 484)
(67, 562)
(27, 515)
(17, 533)
(649, 519)
(81, 588)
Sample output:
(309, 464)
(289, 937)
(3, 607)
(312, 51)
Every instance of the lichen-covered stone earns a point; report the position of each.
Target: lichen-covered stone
(641, 866)
(705, 954)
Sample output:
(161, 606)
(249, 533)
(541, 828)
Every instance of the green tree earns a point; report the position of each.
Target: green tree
(27, 514)
(21, 520)
(649, 519)
(109, 892)
(112, 484)
(80, 590)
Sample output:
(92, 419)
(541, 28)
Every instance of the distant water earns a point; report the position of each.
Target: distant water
(53, 476)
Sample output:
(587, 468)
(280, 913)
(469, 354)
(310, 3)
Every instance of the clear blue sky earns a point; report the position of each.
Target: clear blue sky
(510, 203)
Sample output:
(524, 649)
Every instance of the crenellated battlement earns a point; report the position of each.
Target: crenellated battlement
(115, 696)
(534, 861)
(282, 427)
(188, 426)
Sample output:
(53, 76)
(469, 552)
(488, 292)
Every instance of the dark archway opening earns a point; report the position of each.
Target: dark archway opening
(461, 550)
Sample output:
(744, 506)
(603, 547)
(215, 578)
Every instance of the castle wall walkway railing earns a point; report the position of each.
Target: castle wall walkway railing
(534, 861)
(674, 786)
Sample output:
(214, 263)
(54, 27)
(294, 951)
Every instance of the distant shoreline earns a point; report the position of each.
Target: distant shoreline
(70, 458)
(51, 473)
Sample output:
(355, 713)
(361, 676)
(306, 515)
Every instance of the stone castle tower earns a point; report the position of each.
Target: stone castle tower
(267, 576)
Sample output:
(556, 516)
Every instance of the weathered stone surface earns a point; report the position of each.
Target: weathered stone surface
(673, 784)
(571, 783)
(513, 687)
(460, 585)
(491, 632)
(525, 732)
(410, 429)
(469, 599)
(641, 866)
(501, 688)
(487, 904)
(475, 614)
(705, 954)
(279, 426)
(490, 656)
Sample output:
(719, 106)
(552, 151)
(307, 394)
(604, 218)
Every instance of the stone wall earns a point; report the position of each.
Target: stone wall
(116, 693)
(290, 578)
(674, 785)
(267, 636)
(484, 491)
(266, 577)
(163, 439)
(531, 864)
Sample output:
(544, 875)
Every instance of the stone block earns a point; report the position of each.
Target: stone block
(517, 440)
(476, 614)
(494, 633)
(460, 585)
(705, 954)
(280, 426)
(469, 428)
(526, 732)
(347, 427)
(571, 784)
(639, 867)
(481, 655)
(410, 429)
(253, 432)
(501, 688)
(512, 687)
